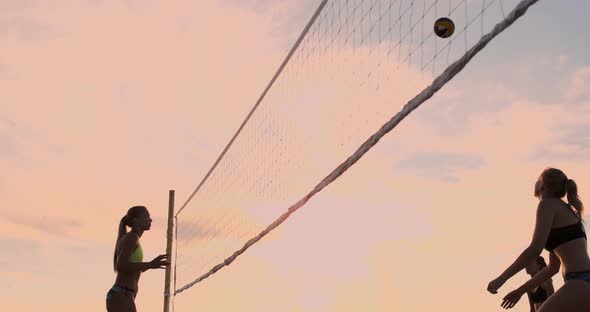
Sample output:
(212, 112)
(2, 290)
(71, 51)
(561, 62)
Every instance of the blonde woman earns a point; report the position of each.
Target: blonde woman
(560, 230)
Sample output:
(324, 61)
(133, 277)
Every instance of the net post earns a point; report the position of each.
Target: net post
(169, 238)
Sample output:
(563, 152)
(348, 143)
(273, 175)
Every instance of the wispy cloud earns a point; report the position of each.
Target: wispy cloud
(577, 85)
(15, 5)
(439, 165)
(7, 145)
(50, 225)
(3, 69)
(18, 245)
(27, 29)
(547, 80)
(146, 94)
(21, 250)
(572, 143)
(286, 17)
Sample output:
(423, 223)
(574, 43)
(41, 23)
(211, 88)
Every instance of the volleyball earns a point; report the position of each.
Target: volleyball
(444, 27)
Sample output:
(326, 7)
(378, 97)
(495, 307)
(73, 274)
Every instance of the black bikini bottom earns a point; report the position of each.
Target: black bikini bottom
(582, 275)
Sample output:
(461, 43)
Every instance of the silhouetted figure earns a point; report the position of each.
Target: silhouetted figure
(559, 229)
(128, 260)
(539, 294)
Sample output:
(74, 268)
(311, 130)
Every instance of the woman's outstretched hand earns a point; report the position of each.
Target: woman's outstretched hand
(160, 262)
(494, 285)
(512, 298)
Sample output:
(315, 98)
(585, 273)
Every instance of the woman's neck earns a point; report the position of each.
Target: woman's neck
(547, 196)
(137, 232)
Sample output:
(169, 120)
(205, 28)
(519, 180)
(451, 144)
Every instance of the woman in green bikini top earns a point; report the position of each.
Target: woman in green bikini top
(128, 260)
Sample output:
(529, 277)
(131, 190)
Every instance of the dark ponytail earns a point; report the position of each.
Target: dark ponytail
(572, 196)
(125, 222)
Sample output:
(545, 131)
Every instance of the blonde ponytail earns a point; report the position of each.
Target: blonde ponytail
(572, 196)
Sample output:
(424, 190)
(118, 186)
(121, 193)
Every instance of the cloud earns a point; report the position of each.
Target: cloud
(454, 109)
(15, 5)
(439, 165)
(21, 251)
(50, 225)
(7, 73)
(3, 69)
(18, 245)
(546, 80)
(577, 136)
(286, 18)
(577, 86)
(7, 144)
(571, 143)
(555, 61)
(185, 93)
(27, 29)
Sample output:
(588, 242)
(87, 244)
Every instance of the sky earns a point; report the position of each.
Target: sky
(109, 104)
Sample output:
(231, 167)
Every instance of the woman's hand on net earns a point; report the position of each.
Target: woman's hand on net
(160, 262)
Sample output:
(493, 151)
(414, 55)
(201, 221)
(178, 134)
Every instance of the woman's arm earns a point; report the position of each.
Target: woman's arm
(126, 246)
(514, 296)
(531, 304)
(554, 265)
(543, 223)
(540, 278)
(548, 286)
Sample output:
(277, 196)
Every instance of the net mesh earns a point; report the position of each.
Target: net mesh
(355, 66)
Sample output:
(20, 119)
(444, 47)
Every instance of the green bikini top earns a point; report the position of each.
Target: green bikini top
(137, 255)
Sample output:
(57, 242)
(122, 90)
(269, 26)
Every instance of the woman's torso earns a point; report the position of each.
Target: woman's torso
(131, 279)
(574, 253)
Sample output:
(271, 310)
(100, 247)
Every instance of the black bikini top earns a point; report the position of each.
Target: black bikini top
(564, 234)
(539, 295)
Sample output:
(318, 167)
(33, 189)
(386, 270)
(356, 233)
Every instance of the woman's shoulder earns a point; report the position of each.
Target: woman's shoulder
(130, 237)
(558, 208)
(127, 242)
(551, 203)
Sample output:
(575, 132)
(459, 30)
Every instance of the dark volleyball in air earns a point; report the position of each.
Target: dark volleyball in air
(444, 27)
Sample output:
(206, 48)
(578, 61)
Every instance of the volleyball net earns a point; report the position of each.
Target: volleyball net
(357, 70)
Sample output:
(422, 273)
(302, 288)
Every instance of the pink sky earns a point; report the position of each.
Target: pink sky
(109, 104)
